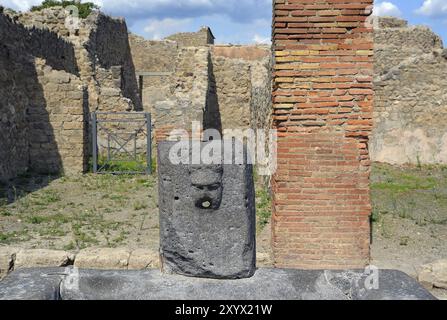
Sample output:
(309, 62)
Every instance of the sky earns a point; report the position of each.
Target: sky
(236, 21)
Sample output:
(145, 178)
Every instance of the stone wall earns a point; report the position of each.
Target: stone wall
(233, 83)
(40, 118)
(57, 130)
(51, 78)
(154, 62)
(102, 53)
(242, 76)
(237, 86)
(410, 111)
(202, 37)
(189, 86)
(322, 100)
(109, 49)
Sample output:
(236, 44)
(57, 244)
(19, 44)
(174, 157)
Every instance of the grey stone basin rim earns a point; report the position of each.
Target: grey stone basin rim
(266, 284)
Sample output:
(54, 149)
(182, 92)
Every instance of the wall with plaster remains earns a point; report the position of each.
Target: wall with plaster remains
(410, 84)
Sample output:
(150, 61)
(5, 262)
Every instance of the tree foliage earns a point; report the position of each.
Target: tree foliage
(85, 8)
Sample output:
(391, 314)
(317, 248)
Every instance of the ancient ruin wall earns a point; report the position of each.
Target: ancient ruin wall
(154, 64)
(115, 72)
(410, 113)
(57, 130)
(102, 54)
(242, 79)
(193, 39)
(40, 118)
(15, 72)
(233, 94)
(58, 75)
(323, 112)
(189, 89)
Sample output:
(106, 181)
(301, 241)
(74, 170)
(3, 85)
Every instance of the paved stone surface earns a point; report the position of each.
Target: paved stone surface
(207, 218)
(266, 284)
(434, 275)
(102, 258)
(33, 284)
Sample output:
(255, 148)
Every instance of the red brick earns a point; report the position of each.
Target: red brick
(321, 188)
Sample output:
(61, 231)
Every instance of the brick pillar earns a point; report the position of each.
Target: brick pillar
(323, 96)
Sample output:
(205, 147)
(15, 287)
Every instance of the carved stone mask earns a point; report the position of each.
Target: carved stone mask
(207, 187)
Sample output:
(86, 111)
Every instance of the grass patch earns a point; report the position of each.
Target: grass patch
(139, 206)
(13, 237)
(44, 198)
(5, 212)
(263, 207)
(404, 183)
(418, 193)
(124, 165)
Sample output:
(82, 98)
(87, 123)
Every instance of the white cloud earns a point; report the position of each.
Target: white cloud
(261, 40)
(238, 10)
(386, 8)
(433, 8)
(159, 29)
(235, 21)
(20, 5)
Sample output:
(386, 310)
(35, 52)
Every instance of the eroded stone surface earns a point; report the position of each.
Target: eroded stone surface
(207, 218)
(33, 284)
(7, 256)
(434, 275)
(102, 258)
(141, 259)
(40, 258)
(266, 284)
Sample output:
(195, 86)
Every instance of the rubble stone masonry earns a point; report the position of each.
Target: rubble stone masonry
(323, 98)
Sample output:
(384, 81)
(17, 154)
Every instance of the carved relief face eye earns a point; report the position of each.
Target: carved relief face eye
(213, 187)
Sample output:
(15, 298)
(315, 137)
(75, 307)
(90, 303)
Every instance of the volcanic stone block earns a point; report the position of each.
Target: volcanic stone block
(207, 217)
(267, 284)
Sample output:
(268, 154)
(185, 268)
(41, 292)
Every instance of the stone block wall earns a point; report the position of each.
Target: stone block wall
(109, 50)
(410, 112)
(40, 118)
(235, 81)
(16, 71)
(242, 76)
(51, 78)
(189, 86)
(323, 96)
(102, 55)
(202, 37)
(57, 129)
(233, 95)
(154, 62)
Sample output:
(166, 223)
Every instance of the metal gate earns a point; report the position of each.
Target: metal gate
(121, 142)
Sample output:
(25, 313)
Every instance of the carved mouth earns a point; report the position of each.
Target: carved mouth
(205, 203)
